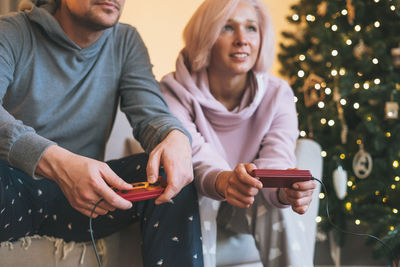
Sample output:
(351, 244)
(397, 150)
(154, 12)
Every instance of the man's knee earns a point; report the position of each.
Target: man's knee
(131, 168)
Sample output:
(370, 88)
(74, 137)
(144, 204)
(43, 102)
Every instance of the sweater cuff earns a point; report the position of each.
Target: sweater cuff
(27, 151)
(271, 196)
(208, 186)
(155, 135)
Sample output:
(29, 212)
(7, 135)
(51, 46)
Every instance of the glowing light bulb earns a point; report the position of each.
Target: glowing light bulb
(356, 85)
(302, 57)
(318, 219)
(334, 27)
(344, 12)
(321, 195)
(331, 122)
(377, 24)
(366, 85)
(395, 211)
(395, 164)
(328, 91)
(317, 86)
(357, 28)
(348, 206)
(334, 72)
(397, 178)
(310, 18)
(302, 133)
(323, 121)
(377, 81)
(324, 154)
(388, 134)
(334, 53)
(300, 73)
(349, 183)
(342, 156)
(295, 17)
(392, 7)
(357, 222)
(356, 106)
(343, 101)
(375, 61)
(321, 104)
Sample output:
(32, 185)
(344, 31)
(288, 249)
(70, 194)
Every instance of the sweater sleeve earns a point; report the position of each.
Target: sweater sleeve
(278, 145)
(207, 163)
(20, 146)
(141, 99)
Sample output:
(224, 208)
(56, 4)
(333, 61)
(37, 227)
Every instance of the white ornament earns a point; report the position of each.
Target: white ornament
(362, 163)
(391, 110)
(340, 182)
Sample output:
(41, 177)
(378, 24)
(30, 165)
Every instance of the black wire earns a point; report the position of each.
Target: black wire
(91, 232)
(352, 233)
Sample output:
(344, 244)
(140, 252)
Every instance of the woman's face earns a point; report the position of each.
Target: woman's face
(236, 50)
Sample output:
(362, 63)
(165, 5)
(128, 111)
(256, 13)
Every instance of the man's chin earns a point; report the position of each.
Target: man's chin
(102, 24)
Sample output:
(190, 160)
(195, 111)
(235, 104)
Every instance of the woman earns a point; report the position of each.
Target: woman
(240, 117)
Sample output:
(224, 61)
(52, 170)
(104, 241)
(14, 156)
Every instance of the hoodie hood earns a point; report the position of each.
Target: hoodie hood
(41, 13)
(194, 87)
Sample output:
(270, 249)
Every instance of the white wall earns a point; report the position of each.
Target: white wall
(160, 23)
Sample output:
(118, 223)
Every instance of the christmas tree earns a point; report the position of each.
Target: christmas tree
(343, 62)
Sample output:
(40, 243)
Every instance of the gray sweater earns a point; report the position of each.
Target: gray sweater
(54, 92)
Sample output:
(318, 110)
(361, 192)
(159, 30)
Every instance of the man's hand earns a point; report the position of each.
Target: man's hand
(175, 154)
(299, 196)
(83, 181)
(238, 186)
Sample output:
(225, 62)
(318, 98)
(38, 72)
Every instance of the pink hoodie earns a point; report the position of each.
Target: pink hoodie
(262, 130)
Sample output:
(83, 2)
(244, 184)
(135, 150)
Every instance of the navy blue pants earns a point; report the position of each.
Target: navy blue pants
(171, 231)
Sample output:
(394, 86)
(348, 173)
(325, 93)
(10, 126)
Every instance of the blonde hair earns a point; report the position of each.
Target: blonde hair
(204, 27)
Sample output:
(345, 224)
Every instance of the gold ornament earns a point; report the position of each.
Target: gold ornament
(351, 12)
(345, 128)
(396, 56)
(360, 49)
(311, 95)
(322, 8)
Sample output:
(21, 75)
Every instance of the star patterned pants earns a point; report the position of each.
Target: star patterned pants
(171, 231)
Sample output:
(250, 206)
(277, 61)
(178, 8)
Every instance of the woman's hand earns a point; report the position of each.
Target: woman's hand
(299, 196)
(238, 186)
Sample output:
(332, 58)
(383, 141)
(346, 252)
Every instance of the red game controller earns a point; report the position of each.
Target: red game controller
(142, 191)
(281, 178)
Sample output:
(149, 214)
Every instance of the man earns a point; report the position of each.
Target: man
(63, 67)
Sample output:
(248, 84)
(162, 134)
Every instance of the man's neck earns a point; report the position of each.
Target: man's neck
(79, 34)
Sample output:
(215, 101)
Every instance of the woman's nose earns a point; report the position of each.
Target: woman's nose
(240, 39)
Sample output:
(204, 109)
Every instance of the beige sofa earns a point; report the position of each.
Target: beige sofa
(123, 248)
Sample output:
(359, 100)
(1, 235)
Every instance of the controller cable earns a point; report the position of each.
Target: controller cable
(91, 232)
(327, 213)
(352, 233)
